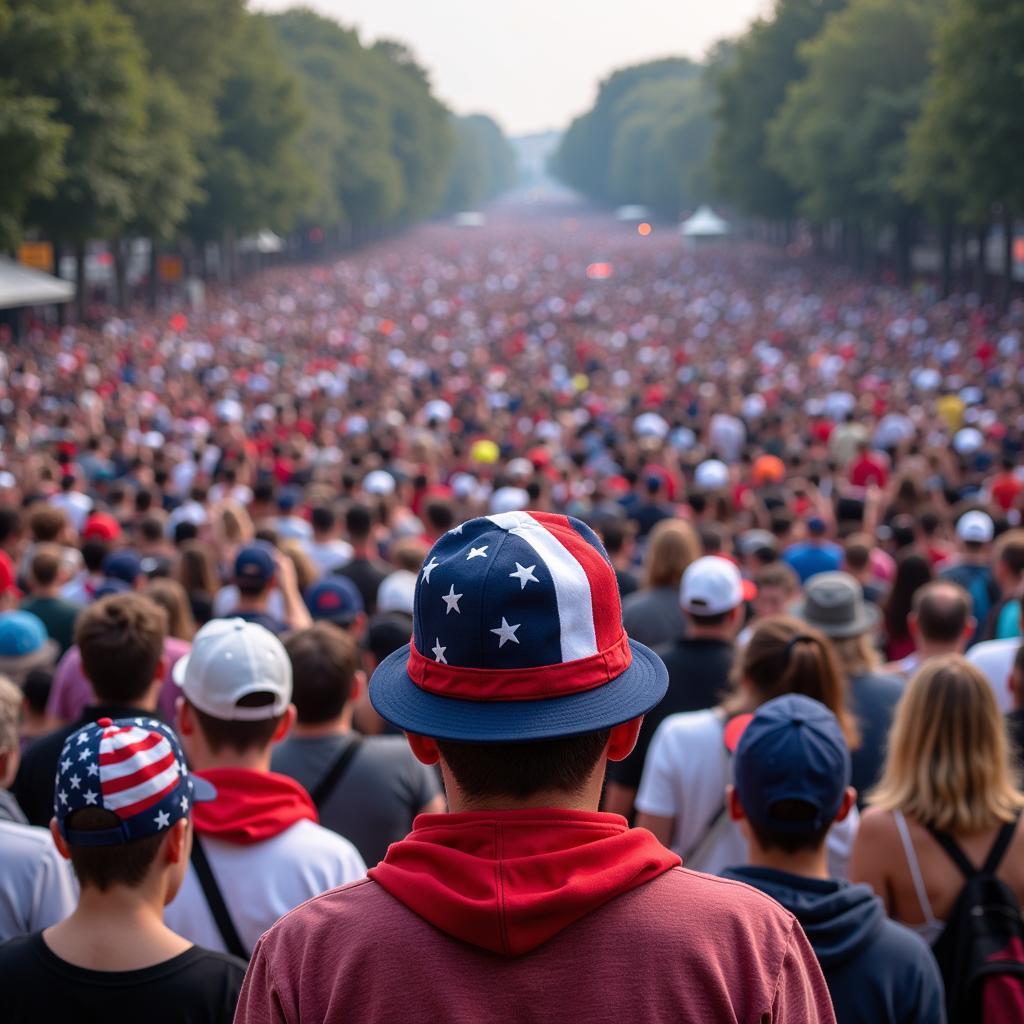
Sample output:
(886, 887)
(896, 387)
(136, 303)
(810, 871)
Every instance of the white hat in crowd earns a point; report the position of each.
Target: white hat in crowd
(711, 586)
(397, 592)
(975, 528)
(711, 475)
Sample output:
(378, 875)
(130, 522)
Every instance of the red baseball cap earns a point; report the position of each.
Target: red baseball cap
(101, 526)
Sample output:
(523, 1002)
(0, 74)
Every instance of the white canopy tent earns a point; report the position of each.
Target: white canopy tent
(23, 286)
(704, 224)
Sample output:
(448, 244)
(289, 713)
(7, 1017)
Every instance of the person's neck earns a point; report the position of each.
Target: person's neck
(47, 592)
(362, 549)
(806, 863)
(935, 649)
(147, 704)
(340, 726)
(121, 929)
(586, 799)
(252, 602)
(721, 633)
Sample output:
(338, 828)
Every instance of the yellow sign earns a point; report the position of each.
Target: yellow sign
(171, 268)
(38, 255)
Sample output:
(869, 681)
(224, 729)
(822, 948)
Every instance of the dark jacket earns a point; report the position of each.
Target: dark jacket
(873, 699)
(877, 971)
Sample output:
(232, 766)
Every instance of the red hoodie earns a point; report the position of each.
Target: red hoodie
(508, 881)
(251, 806)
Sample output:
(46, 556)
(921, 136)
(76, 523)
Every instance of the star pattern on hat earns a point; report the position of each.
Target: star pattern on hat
(451, 600)
(92, 768)
(162, 819)
(524, 573)
(74, 782)
(184, 804)
(65, 764)
(429, 568)
(63, 797)
(457, 530)
(82, 737)
(480, 552)
(438, 651)
(90, 797)
(83, 755)
(505, 632)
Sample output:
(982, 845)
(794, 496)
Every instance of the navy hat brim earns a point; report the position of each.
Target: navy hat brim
(202, 789)
(400, 701)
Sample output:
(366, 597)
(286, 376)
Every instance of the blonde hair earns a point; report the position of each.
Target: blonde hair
(232, 524)
(671, 547)
(172, 597)
(10, 714)
(857, 654)
(306, 572)
(785, 655)
(948, 765)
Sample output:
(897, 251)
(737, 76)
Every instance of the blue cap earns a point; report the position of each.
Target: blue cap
(110, 586)
(135, 769)
(254, 565)
(123, 565)
(21, 633)
(334, 599)
(793, 749)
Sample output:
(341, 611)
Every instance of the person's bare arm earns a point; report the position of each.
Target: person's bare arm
(295, 610)
(871, 854)
(660, 826)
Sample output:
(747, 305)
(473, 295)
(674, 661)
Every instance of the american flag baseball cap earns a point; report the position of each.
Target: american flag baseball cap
(517, 635)
(133, 767)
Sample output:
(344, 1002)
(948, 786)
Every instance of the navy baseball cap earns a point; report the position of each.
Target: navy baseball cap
(110, 586)
(334, 599)
(132, 767)
(517, 635)
(792, 749)
(123, 565)
(254, 564)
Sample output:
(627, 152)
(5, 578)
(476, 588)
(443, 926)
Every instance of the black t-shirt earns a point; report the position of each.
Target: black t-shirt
(276, 626)
(33, 785)
(197, 987)
(367, 575)
(698, 677)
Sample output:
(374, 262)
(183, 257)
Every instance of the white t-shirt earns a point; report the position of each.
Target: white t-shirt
(263, 881)
(225, 601)
(37, 886)
(75, 505)
(685, 775)
(995, 659)
(329, 554)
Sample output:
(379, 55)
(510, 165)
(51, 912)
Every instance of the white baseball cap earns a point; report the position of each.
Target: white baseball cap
(711, 474)
(230, 659)
(379, 481)
(397, 592)
(711, 586)
(509, 499)
(975, 528)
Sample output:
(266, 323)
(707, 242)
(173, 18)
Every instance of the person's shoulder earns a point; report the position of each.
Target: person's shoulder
(307, 839)
(388, 748)
(877, 828)
(354, 906)
(992, 650)
(31, 842)
(896, 944)
(214, 961)
(47, 747)
(692, 724)
(16, 953)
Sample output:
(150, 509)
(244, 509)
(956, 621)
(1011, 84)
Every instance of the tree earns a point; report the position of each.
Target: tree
(483, 166)
(965, 148)
(253, 175)
(750, 91)
(83, 57)
(839, 138)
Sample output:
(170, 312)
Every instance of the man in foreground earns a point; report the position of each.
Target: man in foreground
(525, 903)
(113, 958)
(792, 773)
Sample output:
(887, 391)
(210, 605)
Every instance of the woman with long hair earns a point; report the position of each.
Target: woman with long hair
(913, 571)
(949, 772)
(196, 573)
(651, 615)
(682, 793)
(171, 596)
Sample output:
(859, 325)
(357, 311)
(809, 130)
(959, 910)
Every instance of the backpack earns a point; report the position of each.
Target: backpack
(981, 950)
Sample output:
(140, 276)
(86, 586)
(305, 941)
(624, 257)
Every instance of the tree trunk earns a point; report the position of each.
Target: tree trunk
(980, 268)
(81, 299)
(62, 307)
(946, 244)
(1006, 292)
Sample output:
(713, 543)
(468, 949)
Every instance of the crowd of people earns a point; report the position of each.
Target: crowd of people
(717, 544)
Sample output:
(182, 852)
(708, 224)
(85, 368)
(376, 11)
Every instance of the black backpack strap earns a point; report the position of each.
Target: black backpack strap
(329, 782)
(995, 855)
(215, 901)
(1000, 846)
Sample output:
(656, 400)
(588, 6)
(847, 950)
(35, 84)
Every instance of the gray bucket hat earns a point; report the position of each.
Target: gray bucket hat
(834, 603)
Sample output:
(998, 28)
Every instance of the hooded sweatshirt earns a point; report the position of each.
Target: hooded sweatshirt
(266, 852)
(509, 882)
(877, 971)
(534, 916)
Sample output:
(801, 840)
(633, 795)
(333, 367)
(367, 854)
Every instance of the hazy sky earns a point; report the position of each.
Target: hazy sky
(535, 64)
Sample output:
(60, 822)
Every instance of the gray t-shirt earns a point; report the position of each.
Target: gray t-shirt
(653, 617)
(375, 801)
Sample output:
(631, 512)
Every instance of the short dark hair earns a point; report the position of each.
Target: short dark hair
(94, 553)
(439, 514)
(777, 574)
(101, 867)
(185, 531)
(10, 522)
(240, 736)
(46, 522)
(45, 564)
(615, 532)
(857, 552)
(323, 518)
(121, 641)
(151, 529)
(942, 609)
(708, 620)
(1010, 551)
(324, 661)
(522, 770)
(358, 522)
(791, 842)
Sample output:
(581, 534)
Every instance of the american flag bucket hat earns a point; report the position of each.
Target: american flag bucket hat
(517, 635)
(132, 767)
